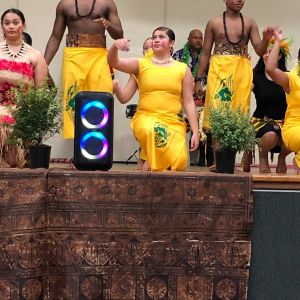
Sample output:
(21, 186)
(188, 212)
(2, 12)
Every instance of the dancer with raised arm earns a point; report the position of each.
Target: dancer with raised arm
(165, 85)
(230, 71)
(290, 81)
(268, 117)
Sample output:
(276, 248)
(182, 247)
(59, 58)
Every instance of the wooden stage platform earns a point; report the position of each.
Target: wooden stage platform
(122, 234)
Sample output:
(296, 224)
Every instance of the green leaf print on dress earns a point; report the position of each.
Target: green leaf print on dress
(70, 101)
(161, 135)
(225, 90)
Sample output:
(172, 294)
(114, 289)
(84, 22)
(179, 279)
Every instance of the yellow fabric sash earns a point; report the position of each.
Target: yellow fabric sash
(84, 69)
(229, 80)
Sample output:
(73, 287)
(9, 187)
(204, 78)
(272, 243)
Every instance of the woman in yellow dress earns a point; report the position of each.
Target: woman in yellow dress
(290, 81)
(165, 87)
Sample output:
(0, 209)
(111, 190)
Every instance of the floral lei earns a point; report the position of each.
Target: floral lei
(186, 56)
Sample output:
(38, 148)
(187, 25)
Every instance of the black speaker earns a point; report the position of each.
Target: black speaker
(93, 143)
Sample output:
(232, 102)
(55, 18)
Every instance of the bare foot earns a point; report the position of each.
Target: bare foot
(3, 164)
(281, 165)
(146, 167)
(212, 168)
(140, 164)
(264, 166)
(296, 167)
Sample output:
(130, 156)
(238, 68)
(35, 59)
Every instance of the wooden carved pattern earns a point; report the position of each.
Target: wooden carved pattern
(96, 235)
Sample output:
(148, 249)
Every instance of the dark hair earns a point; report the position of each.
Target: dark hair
(299, 53)
(260, 66)
(170, 33)
(27, 38)
(14, 11)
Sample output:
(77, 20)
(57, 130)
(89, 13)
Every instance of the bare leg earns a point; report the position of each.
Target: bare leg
(268, 141)
(215, 146)
(281, 164)
(263, 162)
(11, 156)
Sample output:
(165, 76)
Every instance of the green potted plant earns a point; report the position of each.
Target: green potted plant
(233, 131)
(37, 117)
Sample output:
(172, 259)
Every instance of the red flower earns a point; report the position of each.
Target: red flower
(7, 120)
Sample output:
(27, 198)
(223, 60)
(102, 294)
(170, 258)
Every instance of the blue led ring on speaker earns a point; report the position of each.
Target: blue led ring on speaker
(89, 105)
(96, 135)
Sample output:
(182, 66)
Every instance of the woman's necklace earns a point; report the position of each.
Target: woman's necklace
(88, 14)
(11, 55)
(162, 62)
(226, 32)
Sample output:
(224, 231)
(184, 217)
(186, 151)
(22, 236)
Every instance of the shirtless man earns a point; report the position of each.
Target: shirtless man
(85, 57)
(230, 71)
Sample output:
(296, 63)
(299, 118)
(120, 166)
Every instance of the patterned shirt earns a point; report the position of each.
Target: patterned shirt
(192, 63)
(178, 55)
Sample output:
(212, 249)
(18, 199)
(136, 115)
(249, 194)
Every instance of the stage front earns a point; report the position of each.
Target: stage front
(67, 234)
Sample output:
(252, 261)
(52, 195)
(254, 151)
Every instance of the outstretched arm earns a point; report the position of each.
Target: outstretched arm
(56, 35)
(190, 108)
(125, 94)
(127, 65)
(276, 74)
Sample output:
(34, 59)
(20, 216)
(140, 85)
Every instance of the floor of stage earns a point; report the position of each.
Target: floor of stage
(273, 180)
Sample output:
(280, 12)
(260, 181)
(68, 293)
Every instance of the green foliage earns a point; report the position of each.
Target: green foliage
(37, 115)
(232, 128)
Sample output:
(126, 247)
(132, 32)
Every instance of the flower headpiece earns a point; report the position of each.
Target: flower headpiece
(285, 46)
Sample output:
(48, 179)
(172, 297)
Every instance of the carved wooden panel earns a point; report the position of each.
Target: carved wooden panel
(118, 235)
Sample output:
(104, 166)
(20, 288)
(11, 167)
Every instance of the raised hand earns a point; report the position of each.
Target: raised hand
(268, 33)
(122, 44)
(198, 90)
(194, 141)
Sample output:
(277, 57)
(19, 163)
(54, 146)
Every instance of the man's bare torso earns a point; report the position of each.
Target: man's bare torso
(234, 30)
(81, 23)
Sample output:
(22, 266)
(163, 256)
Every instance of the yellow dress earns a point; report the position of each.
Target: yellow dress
(229, 80)
(158, 124)
(291, 126)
